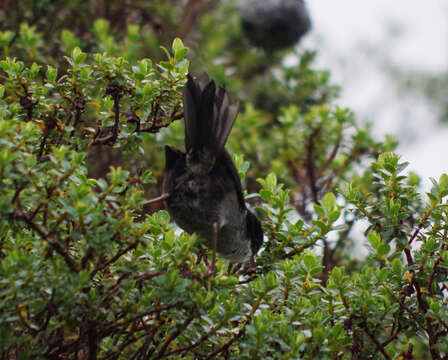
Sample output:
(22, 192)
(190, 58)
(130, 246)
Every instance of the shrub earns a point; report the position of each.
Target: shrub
(88, 272)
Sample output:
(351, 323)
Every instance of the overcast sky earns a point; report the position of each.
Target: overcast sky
(356, 39)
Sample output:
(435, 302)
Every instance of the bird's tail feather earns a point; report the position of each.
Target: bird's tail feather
(209, 117)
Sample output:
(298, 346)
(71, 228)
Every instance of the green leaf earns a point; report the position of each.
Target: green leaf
(271, 181)
(6, 37)
(319, 210)
(443, 182)
(177, 45)
(51, 74)
(321, 225)
(383, 249)
(180, 54)
(329, 201)
(78, 56)
(309, 261)
(148, 90)
(69, 40)
(397, 266)
(374, 240)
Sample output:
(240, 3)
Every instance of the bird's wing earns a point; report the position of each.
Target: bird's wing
(226, 160)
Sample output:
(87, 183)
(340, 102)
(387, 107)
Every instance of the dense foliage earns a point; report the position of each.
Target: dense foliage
(88, 271)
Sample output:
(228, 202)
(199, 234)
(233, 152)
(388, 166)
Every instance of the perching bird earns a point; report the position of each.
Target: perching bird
(274, 24)
(202, 189)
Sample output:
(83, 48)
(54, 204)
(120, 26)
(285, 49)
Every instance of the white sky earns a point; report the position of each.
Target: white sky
(356, 39)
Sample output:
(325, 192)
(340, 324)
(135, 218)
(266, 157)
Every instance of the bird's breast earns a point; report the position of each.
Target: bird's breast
(197, 203)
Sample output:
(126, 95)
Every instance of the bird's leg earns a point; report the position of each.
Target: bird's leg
(211, 269)
(249, 268)
(252, 265)
(235, 269)
(202, 255)
(157, 199)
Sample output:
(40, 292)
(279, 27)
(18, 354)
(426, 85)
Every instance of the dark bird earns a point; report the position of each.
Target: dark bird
(274, 24)
(202, 189)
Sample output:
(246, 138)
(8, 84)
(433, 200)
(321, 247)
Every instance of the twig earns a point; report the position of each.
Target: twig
(18, 214)
(172, 336)
(403, 306)
(310, 166)
(114, 258)
(422, 222)
(240, 333)
(302, 247)
(149, 276)
(376, 342)
(108, 328)
(332, 155)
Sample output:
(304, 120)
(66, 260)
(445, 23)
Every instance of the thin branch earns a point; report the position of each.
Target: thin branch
(403, 306)
(109, 328)
(310, 166)
(18, 214)
(333, 154)
(114, 258)
(376, 342)
(421, 224)
(303, 247)
(172, 336)
(225, 346)
(149, 276)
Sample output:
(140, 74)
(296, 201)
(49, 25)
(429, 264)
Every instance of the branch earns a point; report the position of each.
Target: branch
(115, 91)
(197, 343)
(149, 276)
(303, 247)
(108, 328)
(403, 306)
(310, 166)
(333, 154)
(114, 258)
(422, 222)
(240, 333)
(172, 336)
(375, 341)
(18, 214)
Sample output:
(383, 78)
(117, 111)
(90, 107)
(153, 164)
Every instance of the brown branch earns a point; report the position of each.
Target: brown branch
(17, 192)
(332, 155)
(117, 116)
(433, 274)
(396, 328)
(353, 156)
(420, 226)
(42, 145)
(116, 91)
(310, 166)
(114, 258)
(33, 215)
(92, 341)
(422, 303)
(302, 247)
(27, 103)
(18, 214)
(225, 346)
(172, 336)
(155, 128)
(403, 306)
(149, 276)
(375, 341)
(109, 328)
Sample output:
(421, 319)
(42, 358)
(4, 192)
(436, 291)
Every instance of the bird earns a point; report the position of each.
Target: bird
(202, 190)
(274, 24)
